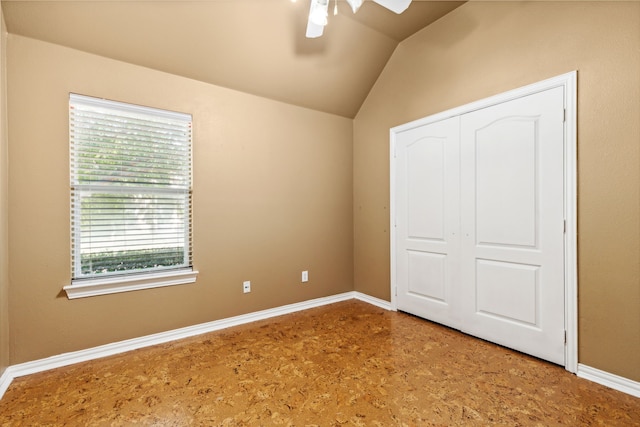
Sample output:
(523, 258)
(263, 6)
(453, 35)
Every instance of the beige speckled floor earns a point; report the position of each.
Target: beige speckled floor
(349, 364)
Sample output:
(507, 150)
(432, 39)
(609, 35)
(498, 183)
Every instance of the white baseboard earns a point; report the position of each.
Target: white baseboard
(601, 377)
(373, 300)
(613, 381)
(164, 337)
(71, 358)
(5, 381)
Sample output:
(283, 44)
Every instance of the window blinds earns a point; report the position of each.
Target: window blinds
(130, 188)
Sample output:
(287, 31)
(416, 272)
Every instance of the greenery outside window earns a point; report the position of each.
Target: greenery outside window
(130, 197)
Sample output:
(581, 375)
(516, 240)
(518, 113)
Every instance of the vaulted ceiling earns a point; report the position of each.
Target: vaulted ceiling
(255, 46)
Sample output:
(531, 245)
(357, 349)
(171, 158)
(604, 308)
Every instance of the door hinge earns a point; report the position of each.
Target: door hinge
(565, 336)
(564, 115)
(564, 226)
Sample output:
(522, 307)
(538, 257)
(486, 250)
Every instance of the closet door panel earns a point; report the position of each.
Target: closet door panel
(427, 212)
(512, 248)
(506, 184)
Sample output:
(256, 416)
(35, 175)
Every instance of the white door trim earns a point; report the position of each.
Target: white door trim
(569, 82)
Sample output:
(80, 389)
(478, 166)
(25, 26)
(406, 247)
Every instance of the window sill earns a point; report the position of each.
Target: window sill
(112, 285)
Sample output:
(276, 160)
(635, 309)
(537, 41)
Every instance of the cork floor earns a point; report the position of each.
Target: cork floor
(345, 364)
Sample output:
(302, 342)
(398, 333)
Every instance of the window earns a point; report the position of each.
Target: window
(130, 197)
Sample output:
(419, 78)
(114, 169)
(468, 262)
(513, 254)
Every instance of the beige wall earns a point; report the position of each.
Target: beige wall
(272, 197)
(484, 48)
(4, 226)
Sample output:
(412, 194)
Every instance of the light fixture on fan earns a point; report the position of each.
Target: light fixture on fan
(319, 12)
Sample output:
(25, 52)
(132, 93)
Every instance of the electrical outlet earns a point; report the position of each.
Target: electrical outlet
(305, 276)
(246, 286)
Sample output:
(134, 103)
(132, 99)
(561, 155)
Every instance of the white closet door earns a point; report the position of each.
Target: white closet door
(512, 253)
(427, 221)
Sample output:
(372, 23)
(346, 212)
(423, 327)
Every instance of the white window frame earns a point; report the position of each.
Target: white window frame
(82, 286)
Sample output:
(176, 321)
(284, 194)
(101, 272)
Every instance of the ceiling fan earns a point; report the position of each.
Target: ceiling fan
(319, 12)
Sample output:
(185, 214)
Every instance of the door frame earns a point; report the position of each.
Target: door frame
(569, 82)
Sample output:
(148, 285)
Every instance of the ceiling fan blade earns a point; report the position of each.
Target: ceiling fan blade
(314, 30)
(397, 6)
(317, 18)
